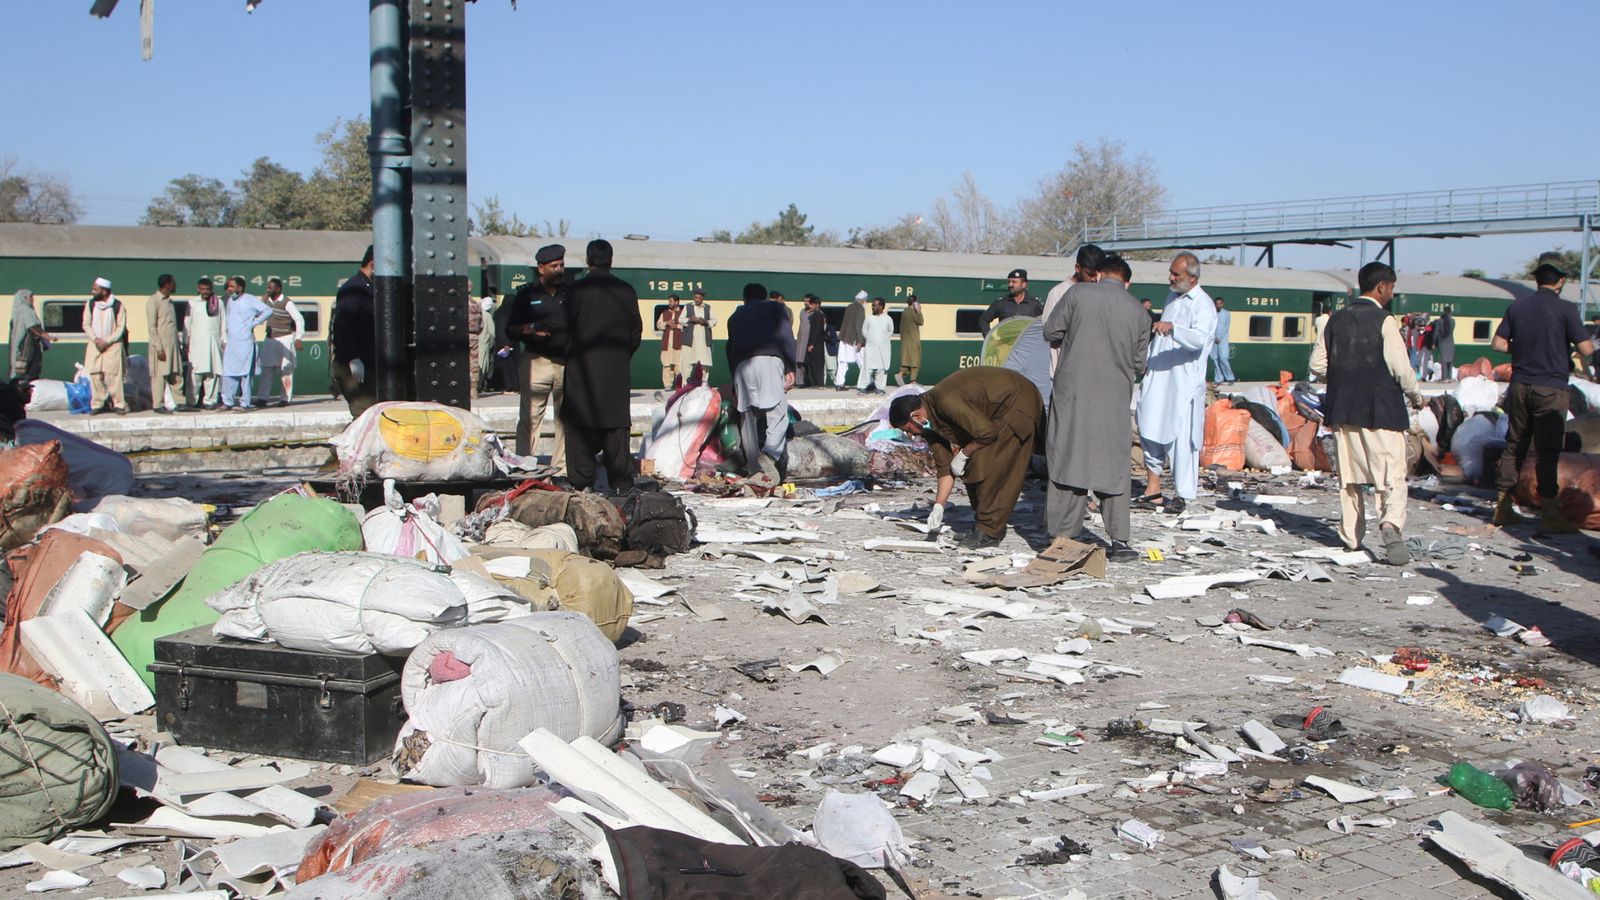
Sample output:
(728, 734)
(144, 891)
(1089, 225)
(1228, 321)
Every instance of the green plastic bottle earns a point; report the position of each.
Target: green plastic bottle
(1480, 787)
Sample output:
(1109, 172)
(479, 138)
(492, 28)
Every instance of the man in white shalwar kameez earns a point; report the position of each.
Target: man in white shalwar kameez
(878, 330)
(1172, 398)
(206, 323)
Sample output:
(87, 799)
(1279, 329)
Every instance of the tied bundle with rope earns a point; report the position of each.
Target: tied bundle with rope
(58, 768)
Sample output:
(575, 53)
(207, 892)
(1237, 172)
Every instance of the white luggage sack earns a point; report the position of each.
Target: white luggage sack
(357, 602)
(551, 670)
(418, 442)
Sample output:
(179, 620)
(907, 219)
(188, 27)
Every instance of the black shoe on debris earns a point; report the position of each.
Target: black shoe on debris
(1175, 506)
(1120, 552)
(1394, 546)
(977, 540)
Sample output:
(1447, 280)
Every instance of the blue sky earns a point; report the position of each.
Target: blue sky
(673, 119)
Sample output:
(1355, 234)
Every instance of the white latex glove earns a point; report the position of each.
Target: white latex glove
(958, 466)
(359, 370)
(936, 516)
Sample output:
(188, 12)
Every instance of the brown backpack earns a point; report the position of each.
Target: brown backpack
(598, 523)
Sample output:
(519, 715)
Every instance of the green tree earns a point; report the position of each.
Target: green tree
(195, 201)
(270, 194)
(341, 187)
(1568, 261)
(1472, 273)
(722, 236)
(1100, 183)
(907, 233)
(489, 218)
(788, 228)
(27, 195)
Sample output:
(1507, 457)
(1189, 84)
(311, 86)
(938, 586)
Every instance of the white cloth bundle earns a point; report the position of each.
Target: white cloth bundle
(551, 670)
(357, 603)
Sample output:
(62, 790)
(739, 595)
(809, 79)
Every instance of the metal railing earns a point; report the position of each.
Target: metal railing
(1514, 202)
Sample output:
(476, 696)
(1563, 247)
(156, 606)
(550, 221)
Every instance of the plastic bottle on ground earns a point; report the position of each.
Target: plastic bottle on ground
(1480, 787)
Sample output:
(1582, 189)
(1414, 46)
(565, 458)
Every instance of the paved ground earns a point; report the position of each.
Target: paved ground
(896, 683)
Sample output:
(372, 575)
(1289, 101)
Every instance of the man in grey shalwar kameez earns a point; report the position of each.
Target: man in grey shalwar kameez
(1103, 334)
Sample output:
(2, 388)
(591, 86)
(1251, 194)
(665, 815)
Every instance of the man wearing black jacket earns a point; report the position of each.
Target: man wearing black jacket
(603, 331)
(761, 356)
(538, 317)
(353, 349)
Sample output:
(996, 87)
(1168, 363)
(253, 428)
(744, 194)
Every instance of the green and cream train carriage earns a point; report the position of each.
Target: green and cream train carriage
(1271, 322)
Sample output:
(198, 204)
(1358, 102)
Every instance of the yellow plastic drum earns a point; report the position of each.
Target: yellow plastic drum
(423, 435)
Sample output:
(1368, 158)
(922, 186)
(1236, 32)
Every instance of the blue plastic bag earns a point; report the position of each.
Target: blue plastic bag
(78, 397)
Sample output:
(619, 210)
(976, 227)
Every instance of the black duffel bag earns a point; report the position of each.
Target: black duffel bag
(656, 522)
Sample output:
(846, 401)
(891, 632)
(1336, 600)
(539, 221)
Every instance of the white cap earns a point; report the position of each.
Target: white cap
(101, 282)
(860, 295)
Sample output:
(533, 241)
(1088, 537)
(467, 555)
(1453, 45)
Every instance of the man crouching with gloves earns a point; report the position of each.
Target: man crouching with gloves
(982, 424)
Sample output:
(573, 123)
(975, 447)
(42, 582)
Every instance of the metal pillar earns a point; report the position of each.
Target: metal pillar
(391, 197)
(1586, 263)
(441, 288)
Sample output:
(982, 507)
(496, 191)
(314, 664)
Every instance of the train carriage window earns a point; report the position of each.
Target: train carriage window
(62, 317)
(655, 317)
(311, 313)
(895, 315)
(1293, 328)
(967, 323)
(834, 315)
(1482, 329)
(1260, 328)
(180, 313)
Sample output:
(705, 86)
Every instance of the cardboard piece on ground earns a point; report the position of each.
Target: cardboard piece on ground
(796, 609)
(1241, 887)
(1306, 650)
(1500, 861)
(1261, 737)
(1063, 559)
(705, 612)
(168, 822)
(57, 881)
(824, 664)
(51, 858)
(145, 878)
(367, 792)
(1344, 793)
(1180, 586)
(721, 536)
(157, 579)
(253, 867)
(902, 546)
(1369, 679)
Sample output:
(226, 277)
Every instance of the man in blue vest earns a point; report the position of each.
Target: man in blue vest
(1370, 379)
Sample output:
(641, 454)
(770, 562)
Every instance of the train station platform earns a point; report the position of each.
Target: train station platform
(317, 418)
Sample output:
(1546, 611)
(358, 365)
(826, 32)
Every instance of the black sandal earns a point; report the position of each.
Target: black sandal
(1149, 501)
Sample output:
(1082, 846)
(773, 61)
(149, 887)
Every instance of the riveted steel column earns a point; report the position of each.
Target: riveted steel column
(390, 153)
(440, 288)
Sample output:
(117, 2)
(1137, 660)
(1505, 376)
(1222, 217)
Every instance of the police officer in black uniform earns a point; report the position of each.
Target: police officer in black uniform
(1016, 302)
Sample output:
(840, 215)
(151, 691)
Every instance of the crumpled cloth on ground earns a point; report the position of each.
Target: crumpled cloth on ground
(1450, 547)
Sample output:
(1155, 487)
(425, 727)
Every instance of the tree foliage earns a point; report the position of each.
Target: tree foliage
(28, 195)
(1568, 261)
(1098, 185)
(341, 187)
(336, 197)
(271, 195)
(489, 218)
(908, 232)
(195, 201)
(970, 222)
(788, 228)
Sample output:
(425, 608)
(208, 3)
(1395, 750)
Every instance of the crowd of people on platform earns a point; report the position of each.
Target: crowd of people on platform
(208, 359)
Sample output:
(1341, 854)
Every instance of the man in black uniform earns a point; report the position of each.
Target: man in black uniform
(538, 317)
(603, 331)
(1016, 302)
(353, 348)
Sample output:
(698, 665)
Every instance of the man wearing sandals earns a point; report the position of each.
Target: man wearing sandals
(1172, 397)
(1370, 379)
